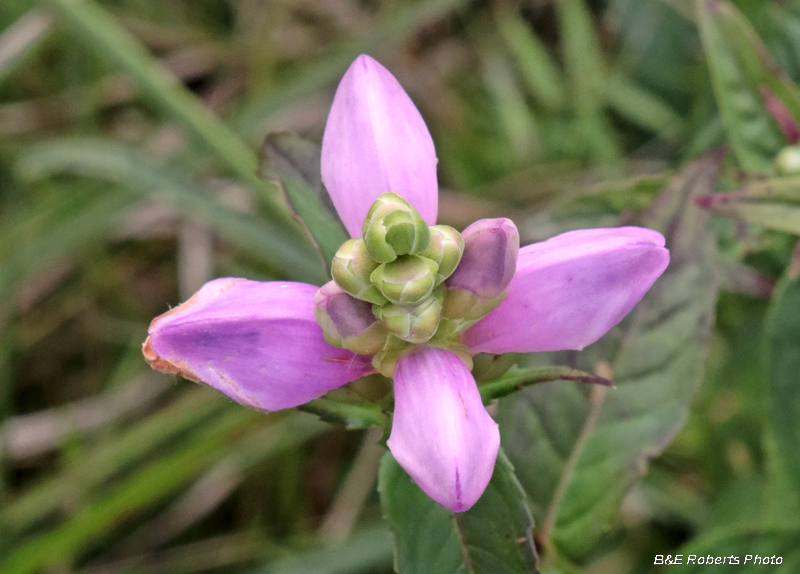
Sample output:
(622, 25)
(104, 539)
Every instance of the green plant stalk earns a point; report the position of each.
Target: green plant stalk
(517, 379)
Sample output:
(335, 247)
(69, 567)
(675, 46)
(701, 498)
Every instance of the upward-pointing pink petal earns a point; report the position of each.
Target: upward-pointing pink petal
(376, 141)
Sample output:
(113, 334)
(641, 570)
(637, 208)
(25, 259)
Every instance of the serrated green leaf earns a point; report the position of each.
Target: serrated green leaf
(783, 360)
(493, 537)
(293, 163)
(744, 545)
(577, 449)
(740, 66)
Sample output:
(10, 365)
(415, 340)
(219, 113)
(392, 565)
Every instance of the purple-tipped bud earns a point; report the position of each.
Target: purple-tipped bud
(489, 262)
(347, 322)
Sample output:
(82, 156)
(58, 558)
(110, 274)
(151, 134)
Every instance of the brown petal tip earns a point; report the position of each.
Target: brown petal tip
(164, 366)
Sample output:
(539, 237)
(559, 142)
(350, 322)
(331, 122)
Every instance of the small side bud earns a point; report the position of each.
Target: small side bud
(787, 162)
(412, 324)
(445, 249)
(408, 280)
(394, 228)
(351, 269)
(347, 322)
(489, 262)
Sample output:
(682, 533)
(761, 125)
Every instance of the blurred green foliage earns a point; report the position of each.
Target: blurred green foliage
(129, 133)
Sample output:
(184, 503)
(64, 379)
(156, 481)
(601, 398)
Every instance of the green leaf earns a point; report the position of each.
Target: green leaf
(293, 163)
(783, 360)
(66, 220)
(516, 119)
(744, 544)
(773, 203)
(232, 437)
(517, 379)
(578, 449)
(537, 67)
(740, 66)
(369, 550)
(399, 24)
(22, 38)
(640, 106)
(101, 463)
(95, 26)
(586, 75)
(493, 537)
(112, 162)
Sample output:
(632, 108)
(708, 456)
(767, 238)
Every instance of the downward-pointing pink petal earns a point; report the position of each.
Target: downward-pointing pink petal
(376, 141)
(570, 290)
(441, 433)
(257, 343)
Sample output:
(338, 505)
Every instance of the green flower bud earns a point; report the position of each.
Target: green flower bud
(445, 249)
(412, 324)
(351, 269)
(393, 228)
(787, 162)
(347, 322)
(408, 280)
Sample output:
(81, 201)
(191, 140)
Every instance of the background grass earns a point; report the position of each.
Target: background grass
(129, 132)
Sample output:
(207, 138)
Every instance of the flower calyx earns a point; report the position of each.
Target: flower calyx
(405, 284)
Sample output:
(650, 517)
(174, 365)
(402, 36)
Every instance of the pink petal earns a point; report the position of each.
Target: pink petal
(570, 290)
(376, 141)
(441, 433)
(257, 343)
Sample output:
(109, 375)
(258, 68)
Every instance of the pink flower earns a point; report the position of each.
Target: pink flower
(259, 343)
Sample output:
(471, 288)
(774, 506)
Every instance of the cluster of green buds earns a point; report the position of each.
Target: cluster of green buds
(406, 283)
